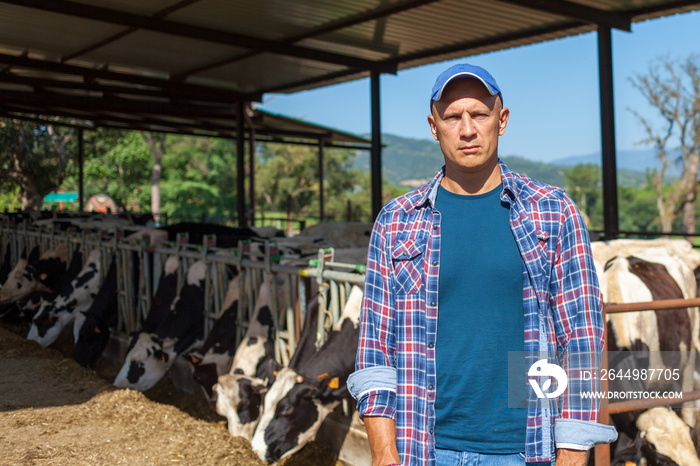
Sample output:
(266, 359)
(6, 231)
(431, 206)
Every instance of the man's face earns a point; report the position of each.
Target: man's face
(467, 121)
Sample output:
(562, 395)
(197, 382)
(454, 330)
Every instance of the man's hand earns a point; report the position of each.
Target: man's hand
(570, 457)
(381, 432)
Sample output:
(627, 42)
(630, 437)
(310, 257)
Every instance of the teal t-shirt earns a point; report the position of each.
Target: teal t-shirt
(480, 319)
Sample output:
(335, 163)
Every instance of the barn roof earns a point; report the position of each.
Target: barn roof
(179, 65)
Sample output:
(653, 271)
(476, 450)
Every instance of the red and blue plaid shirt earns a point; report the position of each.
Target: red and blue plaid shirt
(395, 366)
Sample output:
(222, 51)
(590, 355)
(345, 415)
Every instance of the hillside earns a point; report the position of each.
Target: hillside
(411, 162)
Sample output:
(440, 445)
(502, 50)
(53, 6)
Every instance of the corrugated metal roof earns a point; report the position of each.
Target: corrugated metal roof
(99, 59)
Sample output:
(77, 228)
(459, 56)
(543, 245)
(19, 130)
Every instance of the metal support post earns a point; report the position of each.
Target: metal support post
(376, 153)
(607, 122)
(240, 163)
(81, 163)
(321, 177)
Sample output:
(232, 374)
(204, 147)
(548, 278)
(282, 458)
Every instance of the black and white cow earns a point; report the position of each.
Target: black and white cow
(28, 275)
(55, 315)
(163, 298)
(663, 439)
(668, 337)
(92, 327)
(6, 266)
(215, 356)
(299, 400)
(239, 393)
(153, 353)
(26, 308)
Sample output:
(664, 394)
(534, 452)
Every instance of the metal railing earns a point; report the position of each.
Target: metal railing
(602, 452)
(253, 261)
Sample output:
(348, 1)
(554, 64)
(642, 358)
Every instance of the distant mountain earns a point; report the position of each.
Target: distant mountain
(637, 160)
(406, 161)
(412, 162)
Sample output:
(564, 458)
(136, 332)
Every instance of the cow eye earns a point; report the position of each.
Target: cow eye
(286, 409)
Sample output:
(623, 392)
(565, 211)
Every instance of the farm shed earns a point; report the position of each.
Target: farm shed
(190, 66)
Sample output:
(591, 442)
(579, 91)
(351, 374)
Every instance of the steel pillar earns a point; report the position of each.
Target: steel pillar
(607, 123)
(376, 154)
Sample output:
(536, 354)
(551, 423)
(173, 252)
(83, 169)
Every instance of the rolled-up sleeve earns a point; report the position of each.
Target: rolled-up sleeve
(373, 384)
(578, 319)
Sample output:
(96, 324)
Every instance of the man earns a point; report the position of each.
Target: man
(510, 260)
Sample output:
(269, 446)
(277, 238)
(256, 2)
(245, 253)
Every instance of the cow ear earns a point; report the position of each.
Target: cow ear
(261, 389)
(330, 389)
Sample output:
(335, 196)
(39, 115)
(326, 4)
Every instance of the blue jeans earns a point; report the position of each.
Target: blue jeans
(465, 458)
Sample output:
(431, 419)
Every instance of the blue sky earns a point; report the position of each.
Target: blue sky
(551, 89)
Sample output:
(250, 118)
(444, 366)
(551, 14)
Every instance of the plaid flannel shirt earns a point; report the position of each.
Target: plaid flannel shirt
(395, 365)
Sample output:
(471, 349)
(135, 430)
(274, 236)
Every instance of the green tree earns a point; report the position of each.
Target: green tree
(638, 210)
(582, 183)
(34, 158)
(673, 89)
(118, 168)
(199, 178)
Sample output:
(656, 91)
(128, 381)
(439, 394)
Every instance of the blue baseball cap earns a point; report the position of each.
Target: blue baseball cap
(463, 70)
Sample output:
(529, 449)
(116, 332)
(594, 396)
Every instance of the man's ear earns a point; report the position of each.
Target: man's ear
(433, 129)
(503, 121)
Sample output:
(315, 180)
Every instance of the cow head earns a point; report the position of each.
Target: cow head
(146, 362)
(295, 408)
(21, 282)
(48, 323)
(206, 376)
(240, 399)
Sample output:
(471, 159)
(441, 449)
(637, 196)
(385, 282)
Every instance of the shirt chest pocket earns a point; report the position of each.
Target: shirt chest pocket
(408, 262)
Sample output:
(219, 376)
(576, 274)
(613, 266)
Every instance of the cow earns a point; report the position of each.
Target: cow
(670, 336)
(28, 275)
(299, 400)
(54, 315)
(26, 308)
(163, 298)
(92, 327)
(152, 354)
(240, 397)
(663, 439)
(215, 355)
(239, 393)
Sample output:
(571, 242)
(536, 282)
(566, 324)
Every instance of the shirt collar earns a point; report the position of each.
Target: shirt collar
(430, 193)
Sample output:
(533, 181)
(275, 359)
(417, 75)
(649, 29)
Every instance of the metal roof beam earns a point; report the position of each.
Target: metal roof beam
(184, 89)
(460, 47)
(107, 15)
(113, 104)
(377, 13)
(98, 44)
(114, 37)
(42, 121)
(579, 12)
(662, 7)
(92, 86)
(380, 12)
(314, 80)
(488, 41)
(112, 121)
